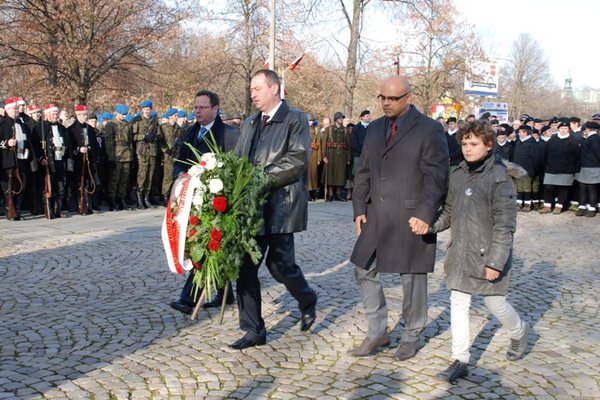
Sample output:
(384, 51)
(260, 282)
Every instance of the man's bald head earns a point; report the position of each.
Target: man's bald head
(394, 96)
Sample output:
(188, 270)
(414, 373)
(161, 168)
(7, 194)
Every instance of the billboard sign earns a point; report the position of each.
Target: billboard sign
(481, 78)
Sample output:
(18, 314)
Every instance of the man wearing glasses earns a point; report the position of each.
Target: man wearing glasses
(399, 185)
(208, 122)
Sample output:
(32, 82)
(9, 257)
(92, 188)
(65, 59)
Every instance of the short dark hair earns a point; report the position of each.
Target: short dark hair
(212, 97)
(480, 129)
(270, 76)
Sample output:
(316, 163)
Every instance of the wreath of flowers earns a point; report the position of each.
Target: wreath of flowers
(217, 206)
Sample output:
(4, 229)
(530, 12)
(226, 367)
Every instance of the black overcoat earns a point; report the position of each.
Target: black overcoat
(406, 178)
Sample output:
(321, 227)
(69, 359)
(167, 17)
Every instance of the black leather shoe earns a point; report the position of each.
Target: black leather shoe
(181, 307)
(245, 343)
(456, 371)
(308, 317)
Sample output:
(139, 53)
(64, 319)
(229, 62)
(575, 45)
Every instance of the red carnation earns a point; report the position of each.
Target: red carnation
(194, 220)
(214, 245)
(220, 203)
(192, 233)
(215, 234)
(197, 265)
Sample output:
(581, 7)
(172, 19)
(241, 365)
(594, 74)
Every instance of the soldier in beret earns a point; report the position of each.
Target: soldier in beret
(336, 157)
(118, 138)
(145, 136)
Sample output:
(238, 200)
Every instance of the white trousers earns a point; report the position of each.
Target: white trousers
(460, 303)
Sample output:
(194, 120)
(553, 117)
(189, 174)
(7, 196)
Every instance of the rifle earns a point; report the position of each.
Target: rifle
(83, 190)
(47, 178)
(11, 212)
(83, 207)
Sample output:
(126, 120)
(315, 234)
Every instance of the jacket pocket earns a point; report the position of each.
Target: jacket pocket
(476, 264)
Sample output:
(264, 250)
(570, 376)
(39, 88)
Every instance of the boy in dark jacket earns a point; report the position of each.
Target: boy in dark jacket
(482, 212)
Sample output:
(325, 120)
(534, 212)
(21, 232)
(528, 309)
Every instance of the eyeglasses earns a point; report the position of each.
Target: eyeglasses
(383, 98)
(202, 107)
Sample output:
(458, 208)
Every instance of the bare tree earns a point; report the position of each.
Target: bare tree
(74, 44)
(527, 76)
(434, 48)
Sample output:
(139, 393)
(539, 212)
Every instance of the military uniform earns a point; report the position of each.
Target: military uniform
(316, 156)
(337, 150)
(59, 151)
(118, 140)
(170, 143)
(83, 135)
(145, 137)
(15, 159)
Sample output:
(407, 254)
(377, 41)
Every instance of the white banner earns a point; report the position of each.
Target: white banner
(481, 78)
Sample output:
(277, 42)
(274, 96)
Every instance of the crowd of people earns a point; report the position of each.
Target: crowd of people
(408, 176)
(58, 161)
(559, 157)
(55, 161)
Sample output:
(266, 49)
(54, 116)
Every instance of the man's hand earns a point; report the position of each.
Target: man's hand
(83, 149)
(325, 160)
(12, 142)
(491, 274)
(358, 221)
(417, 226)
(44, 162)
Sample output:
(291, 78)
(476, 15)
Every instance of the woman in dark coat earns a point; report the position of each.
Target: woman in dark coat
(589, 175)
(561, 158)
(481, 208)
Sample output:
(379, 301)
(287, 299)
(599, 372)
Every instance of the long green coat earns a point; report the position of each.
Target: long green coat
(316, 156)
(337, 150)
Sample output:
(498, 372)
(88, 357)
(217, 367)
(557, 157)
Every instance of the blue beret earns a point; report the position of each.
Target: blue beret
(107, 116)
(181, 114)
(146, 103)
(122, 109)
(153, 114)
(137, 114)
(100, 118)
(128, 118)
(170, 111)
(191, 117)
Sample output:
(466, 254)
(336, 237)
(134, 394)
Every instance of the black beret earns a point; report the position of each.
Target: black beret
(544, 128)
(494, 122)
(486, 115)
(364, 112)
(525, 127)
(507, 129)
(575, 119)
(537, 120)
(591, 125)
(451, 119)
(563, 123)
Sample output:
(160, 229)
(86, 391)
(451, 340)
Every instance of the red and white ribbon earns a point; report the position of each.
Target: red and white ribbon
(174, 228)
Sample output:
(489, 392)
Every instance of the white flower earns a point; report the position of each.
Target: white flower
(187, 264)
(208, 161)
(215, 185)
(195, 170)
(197, 199)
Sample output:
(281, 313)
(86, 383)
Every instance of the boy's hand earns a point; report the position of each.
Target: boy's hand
(491, 274)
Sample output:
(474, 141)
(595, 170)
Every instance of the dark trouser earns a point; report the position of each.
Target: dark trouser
(588, 194)
(281, 262)
(414, 302)
(562, 193)
(59, 183)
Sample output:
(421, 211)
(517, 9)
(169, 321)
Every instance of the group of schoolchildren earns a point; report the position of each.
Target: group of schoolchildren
(559, 157)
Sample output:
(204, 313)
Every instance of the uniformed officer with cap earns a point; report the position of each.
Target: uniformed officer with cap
(118, 138)
(145, 135)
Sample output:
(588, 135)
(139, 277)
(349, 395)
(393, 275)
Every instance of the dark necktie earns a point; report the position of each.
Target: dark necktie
(256, 137)
(393, 130)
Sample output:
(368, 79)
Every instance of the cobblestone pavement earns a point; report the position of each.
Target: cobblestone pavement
(84, 315)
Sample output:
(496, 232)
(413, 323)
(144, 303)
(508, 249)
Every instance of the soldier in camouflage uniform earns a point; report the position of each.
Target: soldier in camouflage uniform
(145, 136)
(170, 142)
(119, 150)
(337, 157)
